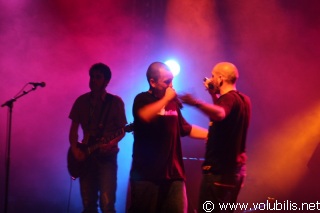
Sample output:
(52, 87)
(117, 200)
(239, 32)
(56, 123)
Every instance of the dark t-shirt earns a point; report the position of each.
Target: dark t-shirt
(89, 115)
(157, 153)
(227, 138)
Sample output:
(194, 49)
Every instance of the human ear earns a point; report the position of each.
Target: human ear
(152, 82)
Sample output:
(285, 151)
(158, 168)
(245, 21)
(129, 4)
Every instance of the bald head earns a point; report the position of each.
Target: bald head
(228, 70)
(154, 70)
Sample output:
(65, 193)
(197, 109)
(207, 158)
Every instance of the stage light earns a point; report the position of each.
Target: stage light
(174, 66)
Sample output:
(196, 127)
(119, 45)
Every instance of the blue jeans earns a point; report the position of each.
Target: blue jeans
(99, 182)
(219, 189)
(158, 197)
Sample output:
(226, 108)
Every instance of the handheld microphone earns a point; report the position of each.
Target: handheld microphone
(207, 80)
(35, 84)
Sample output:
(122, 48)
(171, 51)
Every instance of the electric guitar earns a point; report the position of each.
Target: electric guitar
(76, 167)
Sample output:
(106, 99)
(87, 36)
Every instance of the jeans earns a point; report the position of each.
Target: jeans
(158, 197)
(217, 189)
(99, 182)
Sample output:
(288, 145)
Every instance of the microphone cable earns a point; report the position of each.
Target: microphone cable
(69, 197)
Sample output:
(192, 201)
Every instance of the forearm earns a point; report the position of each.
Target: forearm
(73, 139)
(215, 112)
(148, 112)
(109, 145)
(73, 134)
(198, 132)
(117, 139)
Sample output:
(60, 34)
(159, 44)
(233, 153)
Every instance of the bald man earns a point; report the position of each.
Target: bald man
(224, 167)
(157, 174)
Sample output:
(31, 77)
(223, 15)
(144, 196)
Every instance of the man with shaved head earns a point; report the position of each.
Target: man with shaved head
(224, 166)
(157, 176)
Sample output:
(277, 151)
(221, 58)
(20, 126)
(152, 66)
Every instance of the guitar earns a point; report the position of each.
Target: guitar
(76, 167)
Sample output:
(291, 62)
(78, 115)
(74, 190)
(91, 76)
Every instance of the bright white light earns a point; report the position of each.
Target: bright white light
(173, 66)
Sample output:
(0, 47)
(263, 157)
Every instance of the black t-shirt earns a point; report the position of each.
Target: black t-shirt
(157, 153)
(89, 116)
(227, 138)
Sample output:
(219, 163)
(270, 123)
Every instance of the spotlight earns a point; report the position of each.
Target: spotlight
(174, 66)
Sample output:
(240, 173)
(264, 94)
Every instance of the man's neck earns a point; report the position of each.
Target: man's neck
(99, 94)
(155, 94)
(227, 88)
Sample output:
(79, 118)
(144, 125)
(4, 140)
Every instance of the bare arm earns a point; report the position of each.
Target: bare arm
(199, 132)
(73, 134)
(148, 112)
(73, 139)
(214, 112)
(108, 146)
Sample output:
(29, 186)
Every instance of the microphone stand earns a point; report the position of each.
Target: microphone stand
(9, 103)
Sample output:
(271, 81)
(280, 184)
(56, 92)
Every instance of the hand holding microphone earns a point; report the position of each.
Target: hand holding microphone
(170, 93)
(207, 83)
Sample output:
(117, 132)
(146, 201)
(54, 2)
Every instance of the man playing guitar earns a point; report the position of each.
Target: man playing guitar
(101, 116)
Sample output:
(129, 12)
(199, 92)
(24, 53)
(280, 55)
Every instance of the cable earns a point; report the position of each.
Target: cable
(69, 198)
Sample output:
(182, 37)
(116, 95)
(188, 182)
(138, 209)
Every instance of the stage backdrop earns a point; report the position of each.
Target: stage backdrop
(275, 45)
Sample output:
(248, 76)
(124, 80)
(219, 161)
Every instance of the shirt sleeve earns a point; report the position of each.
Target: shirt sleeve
(140, 101)
(74, 113)
(226, 102)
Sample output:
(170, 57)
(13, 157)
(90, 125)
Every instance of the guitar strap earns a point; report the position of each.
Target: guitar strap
(105, 112)
(105, 108)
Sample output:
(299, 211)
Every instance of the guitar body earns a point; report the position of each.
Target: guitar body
(76, 167)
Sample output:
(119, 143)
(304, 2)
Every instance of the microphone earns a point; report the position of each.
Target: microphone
(207, 80)
(35, 84)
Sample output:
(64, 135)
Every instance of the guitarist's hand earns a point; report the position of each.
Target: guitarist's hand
(107, 147)
(78, 153)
